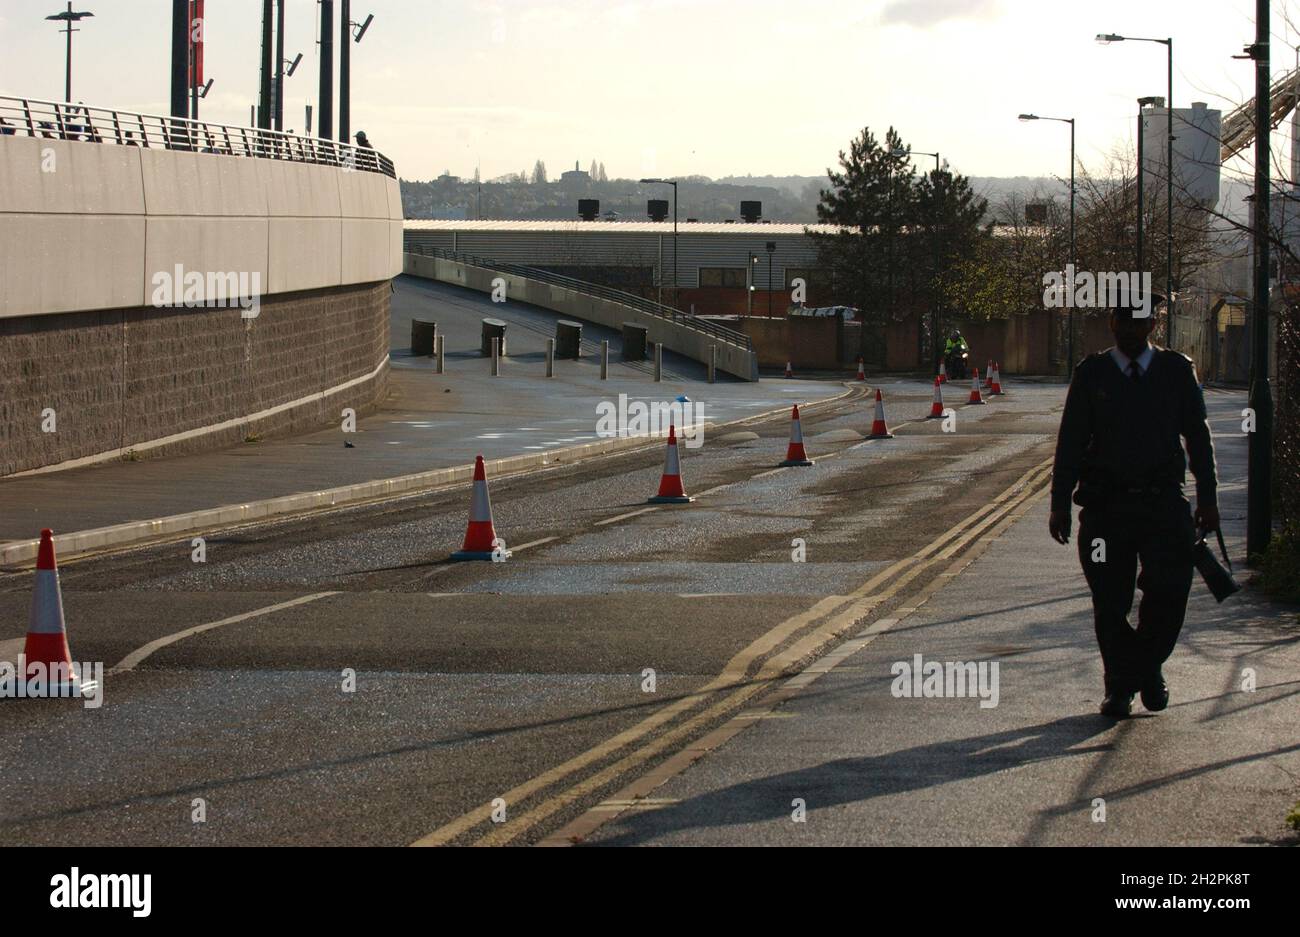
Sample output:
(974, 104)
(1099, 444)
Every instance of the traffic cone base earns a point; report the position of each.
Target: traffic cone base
(671, 490)
(481, 541)
(44, 668)
(794, 453)
(936, 408)
(879, 430)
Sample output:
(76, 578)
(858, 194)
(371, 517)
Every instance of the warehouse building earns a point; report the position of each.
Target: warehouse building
(714, 262)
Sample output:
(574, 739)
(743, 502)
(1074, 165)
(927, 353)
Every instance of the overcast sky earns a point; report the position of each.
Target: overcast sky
(674, 87)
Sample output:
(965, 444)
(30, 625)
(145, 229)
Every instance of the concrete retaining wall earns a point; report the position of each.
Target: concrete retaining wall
(87, 226)
(681, 339)
(160, 381)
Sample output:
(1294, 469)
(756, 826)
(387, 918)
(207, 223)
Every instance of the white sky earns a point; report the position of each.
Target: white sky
(673, 87)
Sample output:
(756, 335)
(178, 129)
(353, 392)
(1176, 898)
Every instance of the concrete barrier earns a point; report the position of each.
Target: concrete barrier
(678, 337)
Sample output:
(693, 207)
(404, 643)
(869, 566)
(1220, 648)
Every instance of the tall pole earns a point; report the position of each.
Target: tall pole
(1070, 341)
(345, 70)
(264, 92)
(676, 293)
(279, 64)
(1259, 507)
(325, 100)
(1140, 257)
(180, 57)
(1169, 197)
(67, 62)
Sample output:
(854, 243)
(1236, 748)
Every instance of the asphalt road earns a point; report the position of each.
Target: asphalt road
(526, 681)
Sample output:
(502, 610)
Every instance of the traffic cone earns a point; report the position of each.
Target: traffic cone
(975, 389)
(862, 371)
(795, 455)
(988, 374)
(47, 636)
(943, 372)
(878, 428)
(480, 536)
(936, 408)
(789, 371)
(997, 381)
(670, 484)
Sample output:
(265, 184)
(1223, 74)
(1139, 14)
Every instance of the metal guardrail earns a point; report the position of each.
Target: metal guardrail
(57, 121)
(641, 304)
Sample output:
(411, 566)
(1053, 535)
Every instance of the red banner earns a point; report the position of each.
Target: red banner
(196, 43)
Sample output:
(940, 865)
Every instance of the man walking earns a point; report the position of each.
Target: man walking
(1120, 442)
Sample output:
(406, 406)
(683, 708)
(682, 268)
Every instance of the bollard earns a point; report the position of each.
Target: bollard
(438, 341)
(496, 356)
(550, 357)
(713, 364)
(659, 361)
(604, 360)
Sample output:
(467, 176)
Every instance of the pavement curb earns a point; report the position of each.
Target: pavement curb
(18, 552)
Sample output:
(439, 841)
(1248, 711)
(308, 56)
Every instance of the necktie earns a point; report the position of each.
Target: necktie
(1134, 371)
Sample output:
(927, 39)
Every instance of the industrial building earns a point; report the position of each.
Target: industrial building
(711, 263)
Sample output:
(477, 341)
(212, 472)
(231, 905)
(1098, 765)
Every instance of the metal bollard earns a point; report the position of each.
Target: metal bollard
(604, 360)
(550, 357)
(496, 356)
(438, 341)
(659, 361)
(713, 364)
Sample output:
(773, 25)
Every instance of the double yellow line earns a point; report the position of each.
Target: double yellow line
(837, 614)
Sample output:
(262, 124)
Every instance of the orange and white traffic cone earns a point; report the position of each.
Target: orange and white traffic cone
(975, 389)
(943, 372)
(46, 662)
(481, 541)
(988, 374)
(878, 428)
(789, 371)
(862, 370)
(997, 381)
(795, 455)
(670, 484)
(936, 408)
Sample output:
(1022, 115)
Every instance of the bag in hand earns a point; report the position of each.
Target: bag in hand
(1218, 579)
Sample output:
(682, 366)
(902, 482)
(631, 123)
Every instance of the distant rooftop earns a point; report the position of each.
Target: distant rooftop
(623, 227)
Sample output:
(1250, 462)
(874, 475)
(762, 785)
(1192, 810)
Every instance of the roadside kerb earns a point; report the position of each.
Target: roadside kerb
(71, 544)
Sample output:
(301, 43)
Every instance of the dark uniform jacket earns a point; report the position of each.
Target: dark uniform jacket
(1120, 436)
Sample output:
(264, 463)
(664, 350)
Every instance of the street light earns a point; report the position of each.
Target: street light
(1107, 39)
(1070, 340)
(749, 284)
(673, 183)
(68, 17)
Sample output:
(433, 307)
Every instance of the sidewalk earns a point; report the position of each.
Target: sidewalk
(429, 421)
(1219, 766)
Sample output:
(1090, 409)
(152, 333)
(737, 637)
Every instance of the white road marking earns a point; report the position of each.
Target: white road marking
(132, 660)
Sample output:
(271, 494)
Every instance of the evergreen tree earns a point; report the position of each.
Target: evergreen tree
(539, 173)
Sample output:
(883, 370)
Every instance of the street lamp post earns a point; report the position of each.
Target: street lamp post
(1069, 342)
(673, 183)
(934, 313)
(68, 17)
(749, 283)
(1106, 39)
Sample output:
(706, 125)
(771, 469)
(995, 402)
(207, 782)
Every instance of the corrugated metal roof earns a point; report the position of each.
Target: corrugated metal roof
(621, 227)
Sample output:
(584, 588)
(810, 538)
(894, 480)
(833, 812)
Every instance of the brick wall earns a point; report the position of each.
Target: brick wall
(124, 377)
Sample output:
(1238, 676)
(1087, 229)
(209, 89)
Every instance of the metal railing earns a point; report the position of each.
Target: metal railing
(639, 303)
(56, 121)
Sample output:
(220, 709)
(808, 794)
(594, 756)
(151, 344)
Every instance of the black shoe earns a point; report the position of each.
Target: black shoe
(1117, 704)
(1155, 693)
